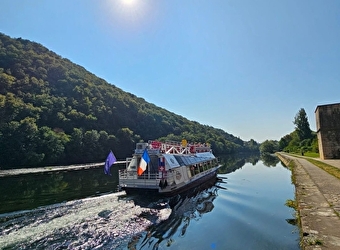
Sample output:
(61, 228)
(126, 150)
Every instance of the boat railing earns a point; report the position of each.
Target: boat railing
(174, 143)
(125, 174)
(178, 147)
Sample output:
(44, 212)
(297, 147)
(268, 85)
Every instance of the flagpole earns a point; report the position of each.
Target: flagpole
(149, 169)
(151, 165)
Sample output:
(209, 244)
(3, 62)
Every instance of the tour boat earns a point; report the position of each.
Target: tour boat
(168, 168)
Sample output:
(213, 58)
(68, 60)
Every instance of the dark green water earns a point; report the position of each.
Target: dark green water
(29, 191)
(81, 211)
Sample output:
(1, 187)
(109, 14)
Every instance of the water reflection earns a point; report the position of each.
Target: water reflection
(231, 163)
(184, 208)
(247, 202)
(270, 160)
(29, 191)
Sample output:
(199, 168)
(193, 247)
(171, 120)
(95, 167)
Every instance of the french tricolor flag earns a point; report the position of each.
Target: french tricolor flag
(143, 162)
(161, 162)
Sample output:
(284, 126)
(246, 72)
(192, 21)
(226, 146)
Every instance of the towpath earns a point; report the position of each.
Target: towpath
(318, 198)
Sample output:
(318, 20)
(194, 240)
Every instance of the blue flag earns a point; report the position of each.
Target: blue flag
(110, 159)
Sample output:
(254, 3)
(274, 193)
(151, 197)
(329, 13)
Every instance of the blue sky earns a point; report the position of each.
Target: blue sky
(244, 66)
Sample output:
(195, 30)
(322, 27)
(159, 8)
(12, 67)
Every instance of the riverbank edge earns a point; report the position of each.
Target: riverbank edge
(291, 164)
(310, 203)
(20, 171)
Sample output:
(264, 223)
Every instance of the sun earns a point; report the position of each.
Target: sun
(128, 15)
(129, 2)
(132, 11)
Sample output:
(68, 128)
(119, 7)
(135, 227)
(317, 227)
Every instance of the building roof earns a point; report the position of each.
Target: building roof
(324, 105)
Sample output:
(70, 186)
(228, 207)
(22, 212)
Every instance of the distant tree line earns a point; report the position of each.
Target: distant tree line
(301, 140)
(55, 112)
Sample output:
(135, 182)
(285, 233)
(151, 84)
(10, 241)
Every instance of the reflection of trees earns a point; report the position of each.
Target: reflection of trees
(270, 160)
(230, 163)
(185, 208)
(32, 190)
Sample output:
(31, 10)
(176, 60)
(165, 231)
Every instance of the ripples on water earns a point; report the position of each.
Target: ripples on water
(100, 222)
(245, 211)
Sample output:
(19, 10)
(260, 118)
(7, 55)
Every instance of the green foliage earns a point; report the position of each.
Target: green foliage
(312, 154)
(302, 125)
(302, 139)
(51, 144)
(328, 168)
(269, 147)
(292, 204)
(55, 112)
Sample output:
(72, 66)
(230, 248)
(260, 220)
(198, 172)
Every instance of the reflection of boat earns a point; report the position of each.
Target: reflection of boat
(168, 168)
(185, 208)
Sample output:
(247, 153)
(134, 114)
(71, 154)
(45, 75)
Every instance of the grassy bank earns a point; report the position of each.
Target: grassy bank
(326, 167)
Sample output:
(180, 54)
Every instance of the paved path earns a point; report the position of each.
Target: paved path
(334, 163)
(318, 197)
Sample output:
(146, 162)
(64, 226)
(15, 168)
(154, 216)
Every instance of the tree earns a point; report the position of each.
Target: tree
(302, 125)
(269, 147)
(75, 148)
(284, 141)
(18, 144)
(51, 145)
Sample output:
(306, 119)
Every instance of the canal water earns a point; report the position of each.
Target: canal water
(82, 209)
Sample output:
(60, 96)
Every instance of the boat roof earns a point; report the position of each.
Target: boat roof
(176, 160)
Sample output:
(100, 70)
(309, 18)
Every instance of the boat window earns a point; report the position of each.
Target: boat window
(197, 169)
(189, 171)
(153, 165)
(180, 160)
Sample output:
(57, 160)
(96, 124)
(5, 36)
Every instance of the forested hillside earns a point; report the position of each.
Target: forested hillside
(53, 111)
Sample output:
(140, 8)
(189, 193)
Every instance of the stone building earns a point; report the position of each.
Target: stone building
(328, 130)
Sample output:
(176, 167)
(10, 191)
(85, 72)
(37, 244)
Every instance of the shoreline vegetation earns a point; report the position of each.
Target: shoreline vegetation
(55, 112)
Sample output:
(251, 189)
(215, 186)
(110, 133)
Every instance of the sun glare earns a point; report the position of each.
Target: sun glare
(128, 10)
(129, 2)
(129, 15)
